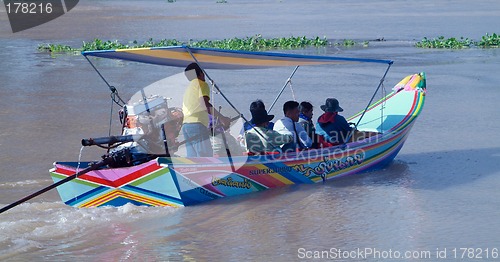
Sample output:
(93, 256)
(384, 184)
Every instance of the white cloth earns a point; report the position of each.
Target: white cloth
(285, 126)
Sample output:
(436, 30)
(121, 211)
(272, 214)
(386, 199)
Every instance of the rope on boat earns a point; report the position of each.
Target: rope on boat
(293, 93)
(110, 118)
(114, 93)
(214, 119)
(115, 97)
(384, 101)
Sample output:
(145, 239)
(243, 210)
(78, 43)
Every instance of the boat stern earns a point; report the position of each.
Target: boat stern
(147, 184)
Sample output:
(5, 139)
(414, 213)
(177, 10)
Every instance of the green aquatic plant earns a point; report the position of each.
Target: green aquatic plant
(351, 43)
(253, 43)
(489, 41)
(447, 43)
(151, 43)
(348, 42)
(486, 41)
(259, 43)
(55, 48)
(98, 44)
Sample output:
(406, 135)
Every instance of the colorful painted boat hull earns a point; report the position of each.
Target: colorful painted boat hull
(180, 181)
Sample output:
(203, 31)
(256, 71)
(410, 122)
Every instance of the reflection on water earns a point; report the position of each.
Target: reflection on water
(348, 213)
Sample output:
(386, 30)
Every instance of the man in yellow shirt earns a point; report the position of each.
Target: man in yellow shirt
(196, 107)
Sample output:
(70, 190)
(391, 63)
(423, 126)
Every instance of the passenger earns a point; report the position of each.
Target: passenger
(288, 125)
(262, 140)
(256, 105)
(305, 119)
(333, 128)
(196, 107)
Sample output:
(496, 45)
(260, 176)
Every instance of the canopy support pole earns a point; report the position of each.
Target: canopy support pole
(114, 92)
(224, 96)
(369, 103)
(289, 80)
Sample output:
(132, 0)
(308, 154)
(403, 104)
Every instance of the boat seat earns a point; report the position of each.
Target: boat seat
(322, 143)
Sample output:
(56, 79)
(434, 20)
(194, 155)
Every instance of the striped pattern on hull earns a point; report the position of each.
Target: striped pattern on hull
(183, 181)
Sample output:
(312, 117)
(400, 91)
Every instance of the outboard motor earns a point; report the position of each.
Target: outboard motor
(150, 129)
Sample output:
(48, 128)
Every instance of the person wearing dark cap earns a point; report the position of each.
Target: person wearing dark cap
(260, 139)
(331, 126)
(196, 107)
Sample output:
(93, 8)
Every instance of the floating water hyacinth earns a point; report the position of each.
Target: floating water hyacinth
(56, 48)
(253, 43)
(259, 43)
(487, 41)
(449, 43)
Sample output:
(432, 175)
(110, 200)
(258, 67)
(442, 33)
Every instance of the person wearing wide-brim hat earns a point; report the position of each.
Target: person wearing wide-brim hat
(260, 116)
(331, 105)
(331, 126)
(260, 139)
(256, 105)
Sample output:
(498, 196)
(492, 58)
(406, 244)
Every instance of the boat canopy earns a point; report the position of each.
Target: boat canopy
(208, 58)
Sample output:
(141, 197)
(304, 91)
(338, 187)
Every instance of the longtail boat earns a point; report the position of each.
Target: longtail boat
(166, 178)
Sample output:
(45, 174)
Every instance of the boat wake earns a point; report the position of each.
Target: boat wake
(50, 223)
